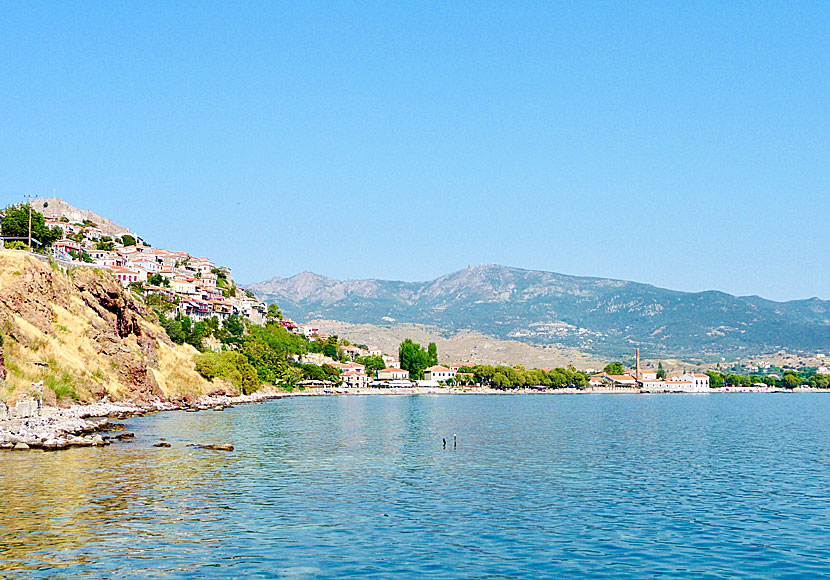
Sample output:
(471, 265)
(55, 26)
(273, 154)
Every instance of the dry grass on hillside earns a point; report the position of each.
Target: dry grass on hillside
(68, 345)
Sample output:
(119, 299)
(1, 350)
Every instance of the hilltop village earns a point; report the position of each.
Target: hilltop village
(195, 285)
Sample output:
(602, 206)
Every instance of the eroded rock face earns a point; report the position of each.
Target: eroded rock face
(106, 297)
(32, 294)
(120, 330)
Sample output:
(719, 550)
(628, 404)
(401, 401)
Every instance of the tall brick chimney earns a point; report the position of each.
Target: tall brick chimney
(638, 365)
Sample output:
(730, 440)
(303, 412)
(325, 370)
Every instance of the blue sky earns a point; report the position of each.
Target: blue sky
(685, 146)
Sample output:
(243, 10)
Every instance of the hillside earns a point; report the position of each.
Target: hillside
(86, 337)
(595, 315)
(55, 207)
(461, 347)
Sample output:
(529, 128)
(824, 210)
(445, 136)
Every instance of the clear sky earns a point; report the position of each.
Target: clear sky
(681, 144)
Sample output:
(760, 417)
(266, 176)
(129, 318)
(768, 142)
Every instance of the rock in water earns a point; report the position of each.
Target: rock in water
(217, 447)
(20, 446)
(162, 444)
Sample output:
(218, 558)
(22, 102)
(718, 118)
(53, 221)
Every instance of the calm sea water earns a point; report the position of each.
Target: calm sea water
(704, 486)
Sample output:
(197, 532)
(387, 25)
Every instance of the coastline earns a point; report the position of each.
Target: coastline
(93, 425)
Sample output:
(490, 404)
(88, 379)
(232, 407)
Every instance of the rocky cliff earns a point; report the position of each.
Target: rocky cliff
(86, 338)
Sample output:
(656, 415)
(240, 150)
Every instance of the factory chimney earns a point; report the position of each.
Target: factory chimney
(638, 365)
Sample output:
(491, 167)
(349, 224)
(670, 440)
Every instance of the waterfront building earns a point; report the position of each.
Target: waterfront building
(438, 373)
(392, 374)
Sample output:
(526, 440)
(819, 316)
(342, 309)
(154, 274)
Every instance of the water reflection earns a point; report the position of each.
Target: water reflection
(538, 486)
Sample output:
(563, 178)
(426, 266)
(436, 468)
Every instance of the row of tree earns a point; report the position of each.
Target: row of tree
(505, 377)
(789, 380)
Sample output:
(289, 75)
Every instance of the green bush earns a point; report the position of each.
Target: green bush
(231, 366)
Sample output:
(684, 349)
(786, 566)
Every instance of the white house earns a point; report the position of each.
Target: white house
(438, 373)
(355, 379)
(183, 285)
(698, 382)
(306, 330)
(392, 374)
(349, 366)
(127, 276)
(654, 385)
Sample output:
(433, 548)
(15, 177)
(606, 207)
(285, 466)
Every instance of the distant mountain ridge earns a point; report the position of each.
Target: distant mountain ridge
(596, 315)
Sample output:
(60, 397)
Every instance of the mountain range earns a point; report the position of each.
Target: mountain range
(596, 315)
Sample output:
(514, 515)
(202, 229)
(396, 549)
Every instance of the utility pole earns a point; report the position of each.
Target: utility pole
(29, 199)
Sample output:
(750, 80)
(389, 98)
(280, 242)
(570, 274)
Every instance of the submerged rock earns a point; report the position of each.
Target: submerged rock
(216, 447)
(162, 444)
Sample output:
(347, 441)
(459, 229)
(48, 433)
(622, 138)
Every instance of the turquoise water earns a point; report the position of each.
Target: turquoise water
(617, 486)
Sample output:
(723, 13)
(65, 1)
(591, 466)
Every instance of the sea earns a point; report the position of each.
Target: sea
(436, 486)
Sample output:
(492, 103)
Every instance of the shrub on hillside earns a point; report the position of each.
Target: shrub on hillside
(231, 366)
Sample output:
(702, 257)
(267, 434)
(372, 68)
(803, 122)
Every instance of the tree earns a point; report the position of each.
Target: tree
(716, 380)
(501, 381)
(372, 363)
(661, 373)
(105, 246)
(413, 358)
(432, 353)
(127, 240)
(291, 375)
(158, 280)
(330, 347)
(274, 313)
(234, 327)
(791, 381)
(16, 225)
(173, 327)
(231, 366)
(614, 368)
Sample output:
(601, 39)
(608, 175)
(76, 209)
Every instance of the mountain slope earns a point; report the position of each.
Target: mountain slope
(596, 315)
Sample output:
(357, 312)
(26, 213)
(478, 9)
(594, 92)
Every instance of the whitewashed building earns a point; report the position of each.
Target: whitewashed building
(392, 374)
(438, 373)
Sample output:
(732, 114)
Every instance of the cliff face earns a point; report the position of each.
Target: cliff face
(86, 337)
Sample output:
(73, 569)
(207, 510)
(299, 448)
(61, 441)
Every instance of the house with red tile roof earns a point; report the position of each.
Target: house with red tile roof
(392, 374)
(438, 373)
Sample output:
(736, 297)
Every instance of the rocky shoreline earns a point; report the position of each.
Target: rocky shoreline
(95, 425)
